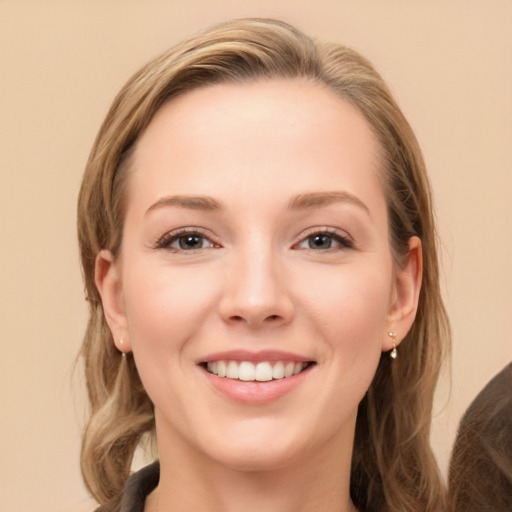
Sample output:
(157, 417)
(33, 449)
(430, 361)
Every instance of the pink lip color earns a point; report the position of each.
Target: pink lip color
(255, 393)
(262, 355)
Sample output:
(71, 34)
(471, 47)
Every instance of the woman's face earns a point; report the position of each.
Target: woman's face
(256, 245)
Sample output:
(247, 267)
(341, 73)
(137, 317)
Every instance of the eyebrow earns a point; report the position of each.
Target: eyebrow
(300, 202)
(319, 199)
(203, 203)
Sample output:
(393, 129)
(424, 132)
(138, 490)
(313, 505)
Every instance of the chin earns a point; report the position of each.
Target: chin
(256, 460)
(259, 449)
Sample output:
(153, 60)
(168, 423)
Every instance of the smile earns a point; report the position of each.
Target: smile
(263, 371)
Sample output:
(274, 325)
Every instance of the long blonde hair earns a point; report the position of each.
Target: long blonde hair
(393, 468)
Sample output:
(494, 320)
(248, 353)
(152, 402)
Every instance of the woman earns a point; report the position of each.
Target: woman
(259, 257)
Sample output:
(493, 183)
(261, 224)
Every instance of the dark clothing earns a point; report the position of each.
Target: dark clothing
(137, 488)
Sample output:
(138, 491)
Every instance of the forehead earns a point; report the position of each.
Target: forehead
(293, 135)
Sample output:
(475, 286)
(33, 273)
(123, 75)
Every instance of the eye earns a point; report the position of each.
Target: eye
(189, 242)
(323, 240)
(185, 241)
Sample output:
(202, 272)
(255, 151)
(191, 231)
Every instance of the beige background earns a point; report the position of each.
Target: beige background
(449, 64)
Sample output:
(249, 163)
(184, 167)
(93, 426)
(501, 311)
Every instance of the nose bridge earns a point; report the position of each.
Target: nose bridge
(256, 291)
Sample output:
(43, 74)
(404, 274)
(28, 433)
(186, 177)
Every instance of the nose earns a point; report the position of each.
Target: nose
(256, 293)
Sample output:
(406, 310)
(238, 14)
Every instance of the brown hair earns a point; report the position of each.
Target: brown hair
(480, 476)
(393, 467)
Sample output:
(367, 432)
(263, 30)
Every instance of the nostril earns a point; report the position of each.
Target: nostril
(251, 320)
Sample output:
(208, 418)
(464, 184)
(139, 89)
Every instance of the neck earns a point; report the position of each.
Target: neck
(317, 482)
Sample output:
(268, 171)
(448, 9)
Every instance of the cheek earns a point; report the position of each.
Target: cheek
(166, 308)
(350, 310)
(164, 305)
(356, 299)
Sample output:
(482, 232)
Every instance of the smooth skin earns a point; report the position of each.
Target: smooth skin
(256, 220)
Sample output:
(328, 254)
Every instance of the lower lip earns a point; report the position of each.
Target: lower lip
(255, 393)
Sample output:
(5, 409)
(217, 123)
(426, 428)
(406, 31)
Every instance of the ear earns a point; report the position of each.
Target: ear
(107, 276)
(405, 295)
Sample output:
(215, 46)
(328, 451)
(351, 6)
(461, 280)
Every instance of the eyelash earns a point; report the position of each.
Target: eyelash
(166, 241)
(344, 241)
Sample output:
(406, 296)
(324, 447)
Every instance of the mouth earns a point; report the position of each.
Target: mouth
(249, 371)
(255, 378)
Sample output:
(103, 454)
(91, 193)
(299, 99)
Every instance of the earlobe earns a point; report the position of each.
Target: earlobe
(107, 275)
(406, 294)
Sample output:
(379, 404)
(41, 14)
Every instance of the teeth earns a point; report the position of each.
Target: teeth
(250, 372)
(232, 370)
(246, 371)
(278, 371)
(221, 369)
(263, 372)
(288, 369)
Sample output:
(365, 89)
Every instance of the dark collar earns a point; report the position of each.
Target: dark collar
(138, 486)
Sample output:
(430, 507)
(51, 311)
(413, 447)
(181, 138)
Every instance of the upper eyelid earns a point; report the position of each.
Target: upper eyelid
(343, 238)
(189, 230)
(324, 230)
(175, 233)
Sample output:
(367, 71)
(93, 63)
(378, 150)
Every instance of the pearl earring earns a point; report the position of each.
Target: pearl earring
(393, 352)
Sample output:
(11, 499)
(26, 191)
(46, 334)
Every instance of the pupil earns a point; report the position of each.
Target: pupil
(321, 241)
(190, 242)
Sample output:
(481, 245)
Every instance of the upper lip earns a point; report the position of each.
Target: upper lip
(254, 356)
